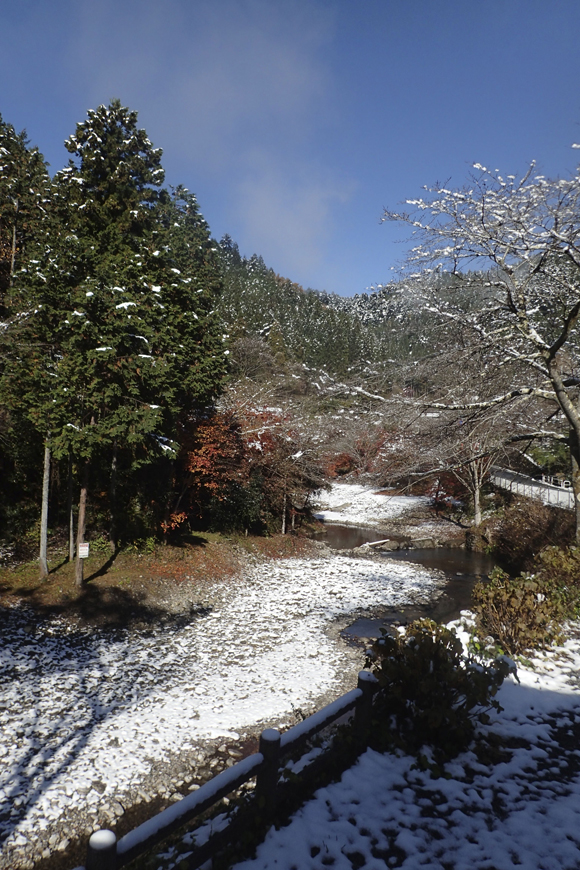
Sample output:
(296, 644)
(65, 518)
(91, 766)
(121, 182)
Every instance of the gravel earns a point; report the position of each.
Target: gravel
(103, 727)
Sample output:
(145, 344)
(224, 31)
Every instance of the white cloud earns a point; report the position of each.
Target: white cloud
(237, 93)
(291, 213)
(210, 77)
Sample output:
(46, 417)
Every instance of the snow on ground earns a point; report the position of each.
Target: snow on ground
(84, 714)
(355, 504)
(523, 811)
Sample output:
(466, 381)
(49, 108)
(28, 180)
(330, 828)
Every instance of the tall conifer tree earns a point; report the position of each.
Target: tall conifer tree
(24, 195)
(123, 297)
(24, 212)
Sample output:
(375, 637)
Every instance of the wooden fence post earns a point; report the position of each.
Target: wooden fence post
(267, 778)
(105, 853)
(102, 851)
(367, 683)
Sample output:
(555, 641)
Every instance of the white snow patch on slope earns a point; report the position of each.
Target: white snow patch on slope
(355, 504)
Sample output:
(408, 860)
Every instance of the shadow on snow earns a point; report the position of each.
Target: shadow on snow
(59, 681)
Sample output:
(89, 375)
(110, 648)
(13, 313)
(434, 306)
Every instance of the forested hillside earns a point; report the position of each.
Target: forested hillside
(154, 382)
(294, 323)
(342, 335)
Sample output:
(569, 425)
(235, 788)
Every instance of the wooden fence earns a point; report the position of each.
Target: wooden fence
(548, 489)
(105, 852)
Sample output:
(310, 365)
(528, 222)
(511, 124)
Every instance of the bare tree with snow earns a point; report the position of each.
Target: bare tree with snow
(523, 236)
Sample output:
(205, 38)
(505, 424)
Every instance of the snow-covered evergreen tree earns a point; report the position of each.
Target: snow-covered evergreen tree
(24, 190)
(119, 331)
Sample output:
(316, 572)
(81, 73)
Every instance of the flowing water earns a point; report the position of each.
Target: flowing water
(348, 537)
(463, 569)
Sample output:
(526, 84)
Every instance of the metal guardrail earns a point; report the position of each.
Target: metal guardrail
(105, 852)
(546, 489)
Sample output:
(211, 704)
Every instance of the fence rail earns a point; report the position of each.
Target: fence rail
(547, 489)
(105, 852)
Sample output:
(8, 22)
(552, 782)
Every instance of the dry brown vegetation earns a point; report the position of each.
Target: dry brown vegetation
(129, 586)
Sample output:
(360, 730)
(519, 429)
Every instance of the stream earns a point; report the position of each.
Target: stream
(463, 569)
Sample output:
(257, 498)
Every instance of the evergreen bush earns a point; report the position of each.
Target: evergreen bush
(432, 694)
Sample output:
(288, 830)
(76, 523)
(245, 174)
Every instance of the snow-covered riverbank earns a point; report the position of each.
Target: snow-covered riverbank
(355, 504)
(93, 721)
(86, 715)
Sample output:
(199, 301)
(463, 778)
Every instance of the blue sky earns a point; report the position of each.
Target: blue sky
(296, 121)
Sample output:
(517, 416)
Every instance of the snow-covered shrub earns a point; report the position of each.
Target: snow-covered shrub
(432, 694)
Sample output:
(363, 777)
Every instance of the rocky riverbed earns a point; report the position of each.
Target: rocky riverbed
(103, 727)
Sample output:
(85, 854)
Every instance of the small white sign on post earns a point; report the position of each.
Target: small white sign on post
(83, 551)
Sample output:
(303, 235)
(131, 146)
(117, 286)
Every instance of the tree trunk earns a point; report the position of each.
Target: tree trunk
(473, 479)
(44, 511)
(112, 500)
(79, 578)
(572, 413)
(575, 460)
(477, 505)
(69, 511)
(284, 515)
(170, 490)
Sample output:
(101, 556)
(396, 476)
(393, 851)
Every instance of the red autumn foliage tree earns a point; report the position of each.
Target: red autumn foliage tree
(246, 471)
(213, 460)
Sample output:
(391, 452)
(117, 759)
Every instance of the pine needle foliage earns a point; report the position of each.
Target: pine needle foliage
(113, 334)
(24, 196)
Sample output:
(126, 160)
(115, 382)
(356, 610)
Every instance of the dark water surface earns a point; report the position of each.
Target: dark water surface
(462, 567)
(348, 537)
